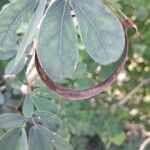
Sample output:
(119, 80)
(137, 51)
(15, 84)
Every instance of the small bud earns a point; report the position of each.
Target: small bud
(134, 112)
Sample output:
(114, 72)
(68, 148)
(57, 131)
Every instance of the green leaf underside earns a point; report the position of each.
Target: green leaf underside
(10, 69)
(12, 16)
(4, 55)
(34, 22)
(44, 104)
(2, 99)
(49, 120)
(28, 106)
(57, 48)
(10, 140)
(106, 71)
(40, 138)
(101, 32)
(23, 140)
(9, 120)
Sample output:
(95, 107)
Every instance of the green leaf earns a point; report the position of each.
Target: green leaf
(10, 140)
(108, 70)
(48, 119)
(2, 132)
(23, 140)
(44, 91)
(7, 54)
(119, 139)
(40, 138)
(2, 2)
(102, 33)
(57, 47)
(33, 24)
(2, 99)
(80, 71)
(83, 83)
(14, 15)
(28, 106)
(10, 69)
(43, 104)
(9, 120)
(37, 140)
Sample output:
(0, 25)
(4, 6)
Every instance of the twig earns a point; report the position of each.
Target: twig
(135, 90)
(9, 77)
(31, 65)
(145, 134)
(145, 144)
(32, 76)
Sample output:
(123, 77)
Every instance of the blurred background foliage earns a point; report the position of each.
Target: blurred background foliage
(99, 123)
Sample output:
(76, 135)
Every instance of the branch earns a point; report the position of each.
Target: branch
(135, 90)
(145, 144)
(145, 134)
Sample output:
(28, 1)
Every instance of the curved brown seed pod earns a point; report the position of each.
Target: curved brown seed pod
(72, 94)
